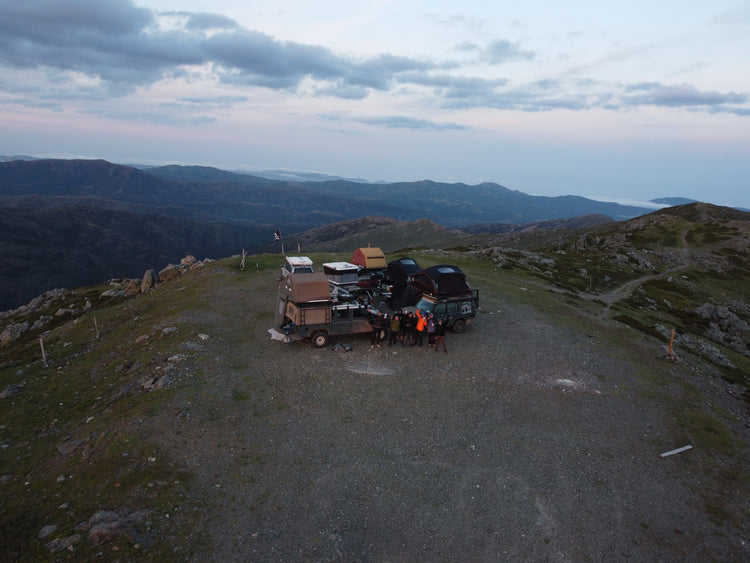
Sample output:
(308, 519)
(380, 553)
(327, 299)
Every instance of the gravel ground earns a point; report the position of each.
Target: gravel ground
(528, 440)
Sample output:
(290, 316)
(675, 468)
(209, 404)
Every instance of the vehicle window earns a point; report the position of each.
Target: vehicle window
(439, 309)
(451, 308)
(359, 313)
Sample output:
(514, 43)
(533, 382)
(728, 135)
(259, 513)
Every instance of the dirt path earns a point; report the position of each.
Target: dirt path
(625, 290)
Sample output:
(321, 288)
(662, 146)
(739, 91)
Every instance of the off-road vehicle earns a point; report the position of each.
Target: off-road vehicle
(456, 311)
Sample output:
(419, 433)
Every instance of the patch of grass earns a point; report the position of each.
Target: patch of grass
(706, 431)
(638, 325)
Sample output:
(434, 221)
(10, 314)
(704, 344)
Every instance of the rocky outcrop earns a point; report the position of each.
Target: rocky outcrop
(118, 288)
(725, 327)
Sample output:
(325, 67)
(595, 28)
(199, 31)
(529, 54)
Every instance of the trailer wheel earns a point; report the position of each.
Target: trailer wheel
(459, 326)
(319, 339)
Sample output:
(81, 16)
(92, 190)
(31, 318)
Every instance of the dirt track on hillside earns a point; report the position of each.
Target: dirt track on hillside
(528, 440)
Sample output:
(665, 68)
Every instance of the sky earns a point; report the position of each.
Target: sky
(624, 101)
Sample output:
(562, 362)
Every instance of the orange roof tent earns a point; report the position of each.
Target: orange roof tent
(370, 258)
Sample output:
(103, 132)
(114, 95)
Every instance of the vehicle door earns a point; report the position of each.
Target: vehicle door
(440, 313)
(451, 312)
(341, 320)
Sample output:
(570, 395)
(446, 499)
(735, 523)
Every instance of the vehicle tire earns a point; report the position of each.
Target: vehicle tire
(319, 339)
(459, 325)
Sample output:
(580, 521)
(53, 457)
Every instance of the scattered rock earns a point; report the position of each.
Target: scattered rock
(725, 327)
(46, 531)
(133, 288)
(156, 382)
(67, 448)
(106, 526)
(62, 543)
(9, 391)
(41, 321)
(112, 293)
(62, 311)
(149, 281)
(13, 332)
(170, 273)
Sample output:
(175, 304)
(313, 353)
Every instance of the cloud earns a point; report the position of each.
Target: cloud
(204, 21)
(92, 48)
(495, 52)
(402, 122)
(681, 95)
(503, 51)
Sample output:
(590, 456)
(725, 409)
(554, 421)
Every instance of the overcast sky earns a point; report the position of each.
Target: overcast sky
(626, 100)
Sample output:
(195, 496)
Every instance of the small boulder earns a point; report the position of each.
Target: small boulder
(149, 281)
(133, 288)
(169, 273)
(188, 261)
(13, 332)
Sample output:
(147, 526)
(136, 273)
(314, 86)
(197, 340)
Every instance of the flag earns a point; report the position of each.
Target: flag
(277, 235)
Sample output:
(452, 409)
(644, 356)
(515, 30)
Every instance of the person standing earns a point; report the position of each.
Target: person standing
(440, 336)
(410, 321)
(431, 329)
(402, 327)
(395, 329)
(421, 326)
(377, 327)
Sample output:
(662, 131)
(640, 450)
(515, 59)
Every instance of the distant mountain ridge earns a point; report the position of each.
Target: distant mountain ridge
(70, 222)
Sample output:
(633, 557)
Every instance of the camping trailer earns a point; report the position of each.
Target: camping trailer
(304, 309)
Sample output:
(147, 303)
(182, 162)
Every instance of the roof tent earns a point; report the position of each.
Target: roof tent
(304, 288)
(370, 258)
(398, 273)
(442, 280)
(399, 270)
(341, 272)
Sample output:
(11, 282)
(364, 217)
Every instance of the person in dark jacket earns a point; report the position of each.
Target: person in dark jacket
(377, 328)
(411, 324)
(440, 335)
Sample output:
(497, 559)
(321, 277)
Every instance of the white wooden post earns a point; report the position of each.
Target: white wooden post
(44, 355)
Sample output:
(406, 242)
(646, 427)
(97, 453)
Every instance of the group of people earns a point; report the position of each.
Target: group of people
(408, 328)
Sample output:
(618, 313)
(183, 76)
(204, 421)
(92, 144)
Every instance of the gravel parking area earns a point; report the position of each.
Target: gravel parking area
(530, 439)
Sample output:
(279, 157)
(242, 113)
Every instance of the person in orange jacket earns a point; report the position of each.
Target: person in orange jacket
(421, 326)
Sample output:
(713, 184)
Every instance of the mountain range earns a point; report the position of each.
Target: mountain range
(71, 222)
